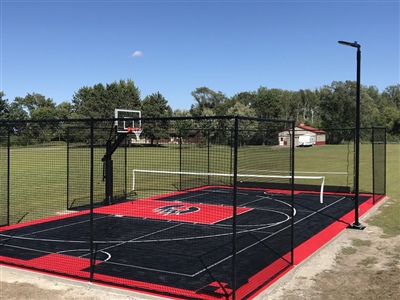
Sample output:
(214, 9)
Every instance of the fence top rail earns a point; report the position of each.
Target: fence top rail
(94, 120)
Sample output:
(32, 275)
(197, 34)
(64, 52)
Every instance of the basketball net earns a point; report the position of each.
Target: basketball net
(137, 131)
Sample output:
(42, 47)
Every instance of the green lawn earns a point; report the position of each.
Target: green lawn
(389, 219)
(393, 170)
(38, 182)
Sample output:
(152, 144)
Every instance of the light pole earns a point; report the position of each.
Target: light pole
(356, 223)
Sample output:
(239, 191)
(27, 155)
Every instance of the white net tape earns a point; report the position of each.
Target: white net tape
(321, 178)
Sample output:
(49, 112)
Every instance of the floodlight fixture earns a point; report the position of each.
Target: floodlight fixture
(355, 44)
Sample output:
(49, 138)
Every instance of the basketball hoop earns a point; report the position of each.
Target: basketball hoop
(136, 130)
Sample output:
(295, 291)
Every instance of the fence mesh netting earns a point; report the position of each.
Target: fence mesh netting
(80, 189)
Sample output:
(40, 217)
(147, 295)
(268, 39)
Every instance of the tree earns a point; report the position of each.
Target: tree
(18, 130)
(391, 116)
(130, 94)
(286, 105)
(4, 114)
(16, 112)
(211, 128)
(247, 128)
(338, 105)
(210, 104)
(309, 105)
(208, 99)
(392, 94)
(183, 127)
(338, 108)
(390, 110)
(123, 95)
(36, 107)
(90, 102)
(369, 111)
(245, 98)
(295, 106)
(4, 107)
(155, 106)
(267, 103)
(65, 110)
(100, 101)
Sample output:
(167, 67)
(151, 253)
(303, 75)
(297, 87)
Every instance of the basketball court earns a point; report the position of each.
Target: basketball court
(180, 210)
(189, 235)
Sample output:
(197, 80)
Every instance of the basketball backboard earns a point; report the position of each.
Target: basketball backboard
(127, 118)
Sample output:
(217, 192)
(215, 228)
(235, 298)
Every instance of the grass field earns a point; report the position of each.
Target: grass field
(38, 181)
(389, 219)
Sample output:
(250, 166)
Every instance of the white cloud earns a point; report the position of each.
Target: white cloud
(137, 53)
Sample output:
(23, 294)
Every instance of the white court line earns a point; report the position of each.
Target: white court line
(180, 198)
(49, 229)
(137, 238)
(29, 249)
(86, 250)
(202, 270)
(22, 237)
(256, 227)
(268, 237)
(150, 269)
(264, 225)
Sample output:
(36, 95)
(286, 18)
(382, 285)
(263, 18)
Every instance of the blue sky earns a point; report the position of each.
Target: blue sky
(173, 47)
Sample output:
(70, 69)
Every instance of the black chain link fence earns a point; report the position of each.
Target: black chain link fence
(53, 169)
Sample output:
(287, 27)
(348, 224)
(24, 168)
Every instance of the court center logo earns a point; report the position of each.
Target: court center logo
(176, 209)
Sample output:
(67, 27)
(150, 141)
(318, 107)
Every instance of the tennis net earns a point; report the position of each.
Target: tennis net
(179, 180)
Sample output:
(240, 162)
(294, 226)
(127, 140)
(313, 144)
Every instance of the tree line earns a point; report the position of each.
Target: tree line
(328, 107)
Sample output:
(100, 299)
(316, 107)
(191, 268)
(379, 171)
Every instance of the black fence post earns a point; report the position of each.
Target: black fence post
(384, 160)
(126, 170)
(373, 164)
(8, 174)
(68, 167)
(91, 229)
(208, 156)
(234, 219)
(292, 147)
(180, 159)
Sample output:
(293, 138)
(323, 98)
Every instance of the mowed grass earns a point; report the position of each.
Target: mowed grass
(389, 217)
(38, 176)
(37, 182)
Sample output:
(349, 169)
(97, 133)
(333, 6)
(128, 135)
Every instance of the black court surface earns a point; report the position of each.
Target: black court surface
(180, 245)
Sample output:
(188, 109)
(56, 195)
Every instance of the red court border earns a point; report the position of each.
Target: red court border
(301, 253)
(313, 244)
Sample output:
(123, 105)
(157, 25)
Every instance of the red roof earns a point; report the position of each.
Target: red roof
(309, 128)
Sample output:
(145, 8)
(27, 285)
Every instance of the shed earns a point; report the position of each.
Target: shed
(304, 136)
